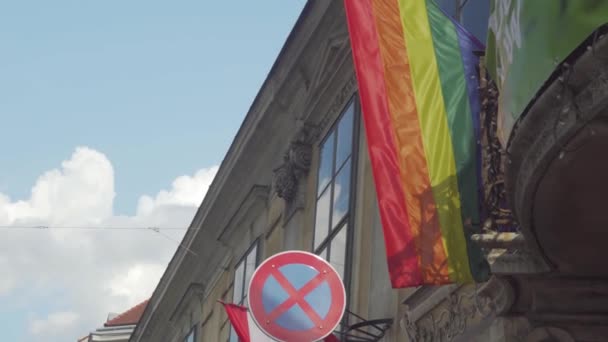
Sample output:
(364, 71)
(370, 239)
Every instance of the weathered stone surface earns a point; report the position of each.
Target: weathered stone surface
(549, 334)
(509, 254)
(556, 172)
(456, 313)
(577, 306)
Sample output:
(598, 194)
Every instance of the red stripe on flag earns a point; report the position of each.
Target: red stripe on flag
(238, 318)
(401, 253)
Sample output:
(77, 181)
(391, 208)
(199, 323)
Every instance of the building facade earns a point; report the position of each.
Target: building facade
(298, 176)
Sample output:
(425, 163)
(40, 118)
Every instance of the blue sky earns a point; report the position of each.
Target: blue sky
(154, 90)
(159, 87)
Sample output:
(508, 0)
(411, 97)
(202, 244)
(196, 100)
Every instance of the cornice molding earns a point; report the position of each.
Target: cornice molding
(223, 267)
(340, 100)
(195, 290)
(255, 199)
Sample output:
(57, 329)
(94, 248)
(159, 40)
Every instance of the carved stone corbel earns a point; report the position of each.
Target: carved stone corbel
(296, 163)
(284, 182)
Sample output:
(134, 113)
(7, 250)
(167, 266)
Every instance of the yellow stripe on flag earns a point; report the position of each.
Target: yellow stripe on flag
(436, 136)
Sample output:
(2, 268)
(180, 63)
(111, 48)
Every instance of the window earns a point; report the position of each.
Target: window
(242, 275)
(334, 193)
(191, 337)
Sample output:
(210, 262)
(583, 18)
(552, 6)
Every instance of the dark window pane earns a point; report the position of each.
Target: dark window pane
(251, 260)
(238, 283)
(341, 194)
(337, 257)
(325, 164)
(322, 219)
(345, 136)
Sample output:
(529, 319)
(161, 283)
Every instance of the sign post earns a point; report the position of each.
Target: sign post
(296, 296)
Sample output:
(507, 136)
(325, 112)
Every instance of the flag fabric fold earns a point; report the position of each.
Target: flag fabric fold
(246, 329)
(417, 77)
(243, 324)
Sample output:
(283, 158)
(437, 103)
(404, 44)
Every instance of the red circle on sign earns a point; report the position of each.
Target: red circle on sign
(266, 321)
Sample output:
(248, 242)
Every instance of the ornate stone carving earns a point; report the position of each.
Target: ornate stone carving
(285, 183)
(297, 159)
(444, 325)
(345, 93)
(296, 163)
(462, 310)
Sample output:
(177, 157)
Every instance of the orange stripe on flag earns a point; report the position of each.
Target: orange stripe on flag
(414, 171)
(403, 262)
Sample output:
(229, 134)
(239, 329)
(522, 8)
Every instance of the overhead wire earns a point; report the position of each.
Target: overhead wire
(84, 227)
(157, 230)
(174, 240)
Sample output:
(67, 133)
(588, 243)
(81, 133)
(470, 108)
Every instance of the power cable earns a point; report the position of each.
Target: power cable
(50, 227)
(157, 230)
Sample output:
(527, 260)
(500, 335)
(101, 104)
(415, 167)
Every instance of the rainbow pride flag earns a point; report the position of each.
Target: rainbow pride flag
(418, 89)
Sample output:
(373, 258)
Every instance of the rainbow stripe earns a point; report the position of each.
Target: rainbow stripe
(417, 79)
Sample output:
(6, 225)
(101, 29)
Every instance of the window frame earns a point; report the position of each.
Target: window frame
(347, 220)
(243, 261)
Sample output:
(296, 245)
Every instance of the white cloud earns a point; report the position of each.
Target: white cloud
(88, 272)
(7, 281)
(53, 323)
(185, 191)
(139, 282)
(83, 185)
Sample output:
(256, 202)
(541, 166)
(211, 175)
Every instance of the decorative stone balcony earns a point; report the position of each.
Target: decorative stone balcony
(549, 277)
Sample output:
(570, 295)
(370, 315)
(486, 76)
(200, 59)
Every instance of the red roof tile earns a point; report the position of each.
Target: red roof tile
(128, 317)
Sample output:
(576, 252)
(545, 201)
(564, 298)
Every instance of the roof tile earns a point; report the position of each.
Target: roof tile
(128, 317)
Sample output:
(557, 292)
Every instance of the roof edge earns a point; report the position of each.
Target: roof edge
(216, 184)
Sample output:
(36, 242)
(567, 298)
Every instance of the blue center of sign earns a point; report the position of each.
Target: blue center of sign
(295, 318)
